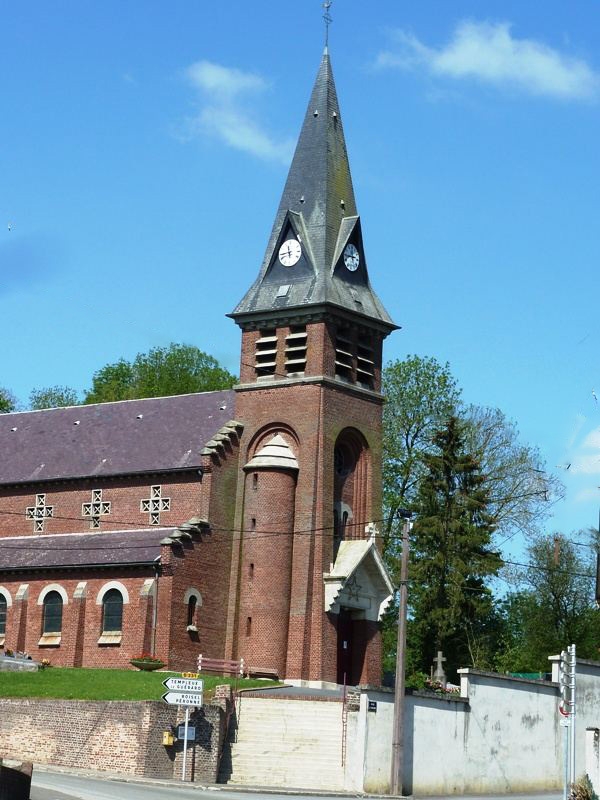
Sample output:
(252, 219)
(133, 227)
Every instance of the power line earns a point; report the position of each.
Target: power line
(253, 536)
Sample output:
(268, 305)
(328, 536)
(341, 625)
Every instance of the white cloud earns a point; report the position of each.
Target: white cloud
(586, 465)
(585, 495)
(580, 420)
(488, 52)
(223, 114)
(592, 439)
(224, 82)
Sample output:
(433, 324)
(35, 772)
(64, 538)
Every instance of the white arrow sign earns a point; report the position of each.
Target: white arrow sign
(183, 698)
(183, 685)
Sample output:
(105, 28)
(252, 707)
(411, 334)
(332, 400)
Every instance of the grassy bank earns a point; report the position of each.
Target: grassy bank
(101, 684)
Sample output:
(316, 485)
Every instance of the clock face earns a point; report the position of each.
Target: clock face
(290, 252)
(351, 257)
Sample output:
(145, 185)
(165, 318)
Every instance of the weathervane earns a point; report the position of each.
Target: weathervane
(328, 20)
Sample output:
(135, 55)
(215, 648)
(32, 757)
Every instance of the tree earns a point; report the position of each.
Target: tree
(420, 393)
(162, 371)
(8, 401)
(451, 557)
(520, 490)
(52, 397)
(551, 607)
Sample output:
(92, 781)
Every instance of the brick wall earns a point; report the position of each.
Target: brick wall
(73, 733)
(120, 737)
(82, 618)
(203, 755)
(209, 572)
(201, 564)
(315, 413)
(266, 571)
(123, 493)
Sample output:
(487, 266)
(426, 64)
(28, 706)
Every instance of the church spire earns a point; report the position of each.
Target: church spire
(315, 254)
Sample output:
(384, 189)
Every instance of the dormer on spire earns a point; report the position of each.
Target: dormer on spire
(315, 260)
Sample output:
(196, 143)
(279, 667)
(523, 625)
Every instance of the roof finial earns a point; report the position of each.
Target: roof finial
(328, 19)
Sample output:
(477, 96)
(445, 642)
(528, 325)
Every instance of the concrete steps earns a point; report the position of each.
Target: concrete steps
(286, 743)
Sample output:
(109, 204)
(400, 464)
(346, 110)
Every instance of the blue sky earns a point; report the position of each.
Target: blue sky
(144, 147)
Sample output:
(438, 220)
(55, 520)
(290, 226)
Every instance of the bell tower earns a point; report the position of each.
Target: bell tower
(308, 574)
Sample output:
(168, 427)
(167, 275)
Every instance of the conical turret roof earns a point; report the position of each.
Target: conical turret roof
(318, 209)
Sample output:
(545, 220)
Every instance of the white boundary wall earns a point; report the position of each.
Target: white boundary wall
(501, 735)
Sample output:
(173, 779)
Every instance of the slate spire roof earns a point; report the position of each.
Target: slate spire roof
(318, 208)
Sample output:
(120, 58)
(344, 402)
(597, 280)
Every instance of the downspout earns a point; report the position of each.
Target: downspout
(155, 604)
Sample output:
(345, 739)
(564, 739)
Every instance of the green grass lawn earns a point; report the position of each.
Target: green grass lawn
(102, 684)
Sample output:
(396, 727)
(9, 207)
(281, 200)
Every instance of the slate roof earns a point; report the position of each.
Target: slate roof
(117, 548)
(132, 436)
(318, 203)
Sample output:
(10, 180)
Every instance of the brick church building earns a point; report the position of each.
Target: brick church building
(238, 523)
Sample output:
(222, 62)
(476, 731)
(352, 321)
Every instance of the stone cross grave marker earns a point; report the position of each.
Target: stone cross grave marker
(439, 675)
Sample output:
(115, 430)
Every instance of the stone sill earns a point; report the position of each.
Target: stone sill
(50, 640)
(110, 638)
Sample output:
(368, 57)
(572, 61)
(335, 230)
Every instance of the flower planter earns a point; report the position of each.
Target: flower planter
(148, 666)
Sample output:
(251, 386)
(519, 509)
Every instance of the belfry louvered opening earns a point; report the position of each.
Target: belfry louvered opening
(365, 362)
(295, 350)
(343, 354)
(265, 357)
(355, 356)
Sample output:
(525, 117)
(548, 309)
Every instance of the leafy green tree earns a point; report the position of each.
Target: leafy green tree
(420, 393)
(112, 382)
(451, 556)
(552, 606)
(162, 371)
(521, 492)
(52, 397)
(8, 401)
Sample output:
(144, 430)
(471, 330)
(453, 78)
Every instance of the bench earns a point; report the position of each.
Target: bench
(263, 672)
(221, 666)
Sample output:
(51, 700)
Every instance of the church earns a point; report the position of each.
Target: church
(237, 524)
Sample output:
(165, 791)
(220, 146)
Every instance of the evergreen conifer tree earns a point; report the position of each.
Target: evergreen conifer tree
(451, 558)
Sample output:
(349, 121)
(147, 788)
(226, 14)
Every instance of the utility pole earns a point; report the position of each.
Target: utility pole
(398, 733)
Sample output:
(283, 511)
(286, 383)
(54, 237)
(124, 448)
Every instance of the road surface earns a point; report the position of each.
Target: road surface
(62, 786)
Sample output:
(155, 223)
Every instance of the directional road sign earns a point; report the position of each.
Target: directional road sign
(183, 685)
(183, 698)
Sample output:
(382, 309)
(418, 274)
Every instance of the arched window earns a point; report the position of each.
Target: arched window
(3, 608)
(52, 613)
(191, 610)
(112, 611)
(193, 601)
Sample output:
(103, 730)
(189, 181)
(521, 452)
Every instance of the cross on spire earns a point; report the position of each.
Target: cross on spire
(328, 20)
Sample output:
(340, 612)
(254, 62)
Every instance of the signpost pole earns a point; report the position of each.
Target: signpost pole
(185, 743)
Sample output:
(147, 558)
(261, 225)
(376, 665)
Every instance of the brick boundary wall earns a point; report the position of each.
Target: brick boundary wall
(115, 736)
